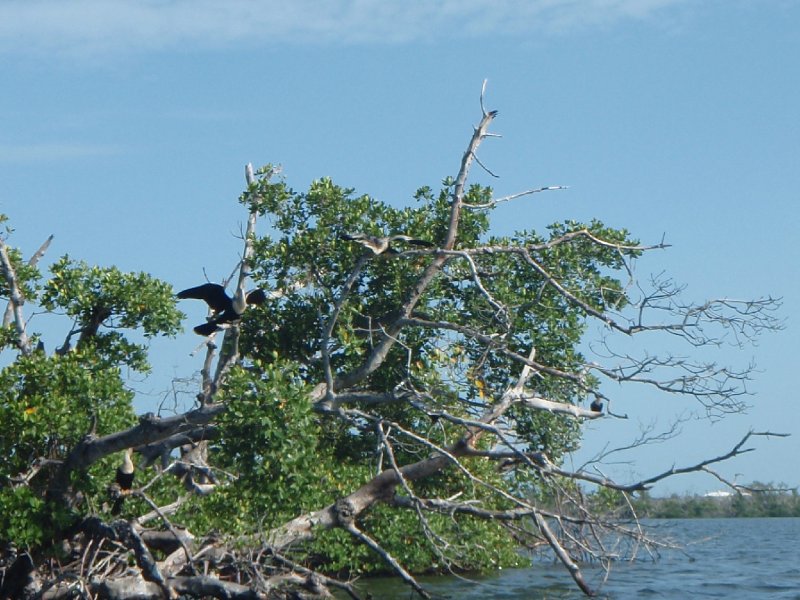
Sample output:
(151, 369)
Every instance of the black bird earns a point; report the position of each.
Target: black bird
(226, 309)
(124, 479)
(596, 406)
(383, 245)
(17, 577)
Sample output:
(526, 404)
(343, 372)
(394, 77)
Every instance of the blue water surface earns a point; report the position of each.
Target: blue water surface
(720, 558)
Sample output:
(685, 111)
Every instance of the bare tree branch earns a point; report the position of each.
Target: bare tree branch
(16, 299)
(32, 261)
(735, 451)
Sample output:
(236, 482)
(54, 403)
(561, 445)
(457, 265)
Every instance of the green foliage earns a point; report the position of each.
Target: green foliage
(95, 296)
(278, 456)
(269, 438)
(22, 513)
(477, 545)
(47, 405)
(316, 460)
(49, 402)
(474, 544)
(307, 251)
(607, 501)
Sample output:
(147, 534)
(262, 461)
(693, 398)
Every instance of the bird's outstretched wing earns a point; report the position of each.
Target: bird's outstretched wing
(212, 294)
(218, 300)
(352, 237)
(380, 245)
(413, 241)
(206, 329)
(256, 297)
(377, 245)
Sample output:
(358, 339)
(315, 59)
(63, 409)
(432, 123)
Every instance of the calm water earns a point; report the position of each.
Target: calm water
(723, 558)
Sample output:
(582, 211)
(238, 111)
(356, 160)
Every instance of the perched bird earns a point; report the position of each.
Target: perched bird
(124, 479)
(383, 245)
(596, 405)
(226, 309)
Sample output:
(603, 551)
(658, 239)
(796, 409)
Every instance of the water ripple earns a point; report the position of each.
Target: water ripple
(757, 559)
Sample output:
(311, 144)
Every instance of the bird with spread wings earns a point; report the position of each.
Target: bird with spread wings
(226, 309)
(383, 245)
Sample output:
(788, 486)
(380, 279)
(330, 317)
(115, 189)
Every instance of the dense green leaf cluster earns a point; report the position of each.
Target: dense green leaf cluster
(332, 305)
(94, 295)
(269, 439)
(308, 262)
(50, 401)
(47, 405)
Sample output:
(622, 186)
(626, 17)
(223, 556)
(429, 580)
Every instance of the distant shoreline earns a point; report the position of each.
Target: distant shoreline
(746, 505)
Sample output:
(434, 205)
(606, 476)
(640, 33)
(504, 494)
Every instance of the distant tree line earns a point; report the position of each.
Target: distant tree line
(765, 500)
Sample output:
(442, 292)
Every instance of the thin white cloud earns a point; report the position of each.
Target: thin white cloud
(52, 152)
(102, 27)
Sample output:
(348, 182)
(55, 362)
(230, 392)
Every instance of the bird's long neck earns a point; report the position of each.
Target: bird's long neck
(239, 301)
(127, 463)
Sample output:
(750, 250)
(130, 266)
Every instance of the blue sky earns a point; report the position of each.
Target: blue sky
(125, 128)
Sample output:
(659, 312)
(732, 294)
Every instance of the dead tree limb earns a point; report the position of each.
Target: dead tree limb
(16, 299)
(32, 262)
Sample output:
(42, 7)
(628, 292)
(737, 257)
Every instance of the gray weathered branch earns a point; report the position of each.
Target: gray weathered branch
(16, 299)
